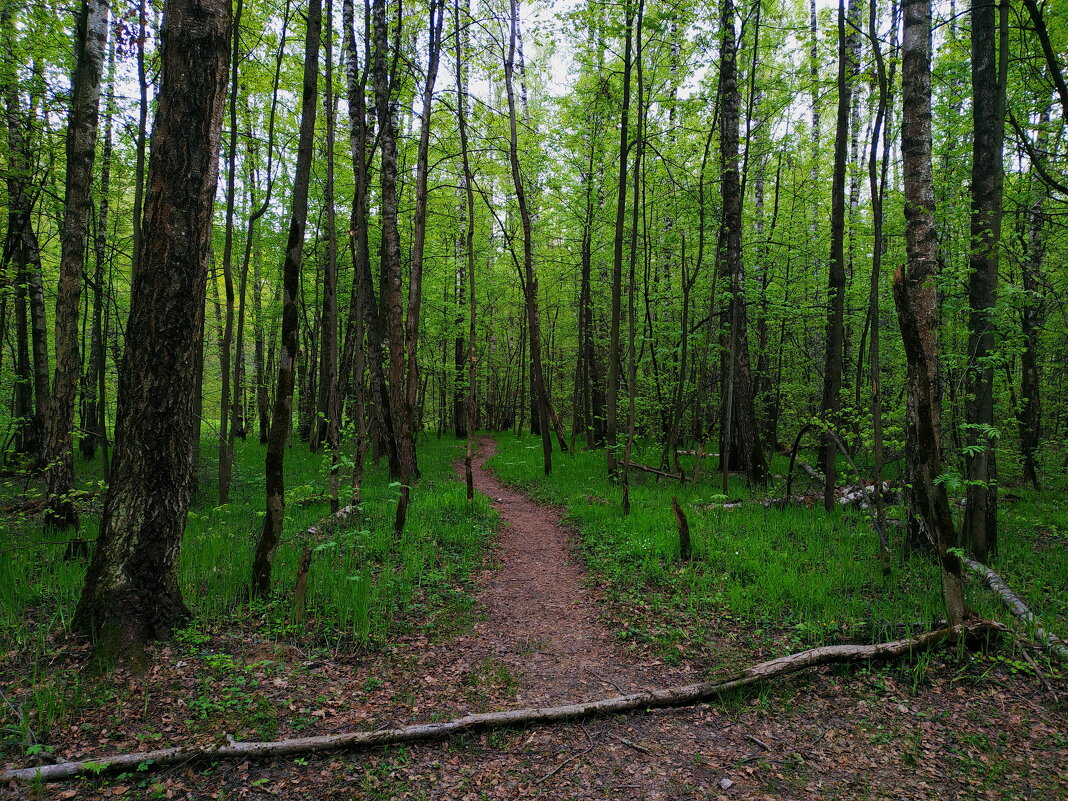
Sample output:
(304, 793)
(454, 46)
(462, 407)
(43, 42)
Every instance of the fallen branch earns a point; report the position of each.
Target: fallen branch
(647, 699)
(311, 537)
(1012, 602)
(656, 471)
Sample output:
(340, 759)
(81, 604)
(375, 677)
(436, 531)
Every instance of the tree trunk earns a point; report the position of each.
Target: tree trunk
(328, 425)
(142, 132)
(226, 456)
(530, 282)
(617, 252)
(836, 281)
(93, 399)
(21, 245)
(358, 143)
(877, 187)
(61, 513)
(740, 441)
(390, 285)
(131, 591)
(469, 248)
(1031, 321)
(282, 415)
(659, 698)
(415, 278)
(988, 123)
(637, 180)
(916, 300)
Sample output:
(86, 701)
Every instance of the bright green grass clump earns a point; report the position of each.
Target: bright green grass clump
(363, 585)
(798, 571)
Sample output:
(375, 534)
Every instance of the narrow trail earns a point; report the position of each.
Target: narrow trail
(540, 619)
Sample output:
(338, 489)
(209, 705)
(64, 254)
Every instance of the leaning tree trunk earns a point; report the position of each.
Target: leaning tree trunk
(131, 591)
(916, 300)
(282, 416)
(61, 513)
(988, 123)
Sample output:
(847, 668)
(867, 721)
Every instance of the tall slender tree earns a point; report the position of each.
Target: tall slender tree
(916, 299)
(836, 278)
(617, 248)
(740, 446)
(989, 74)
(61, 513)
(529, 280)
(282, 414)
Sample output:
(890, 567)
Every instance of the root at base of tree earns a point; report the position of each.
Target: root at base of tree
(648, 699)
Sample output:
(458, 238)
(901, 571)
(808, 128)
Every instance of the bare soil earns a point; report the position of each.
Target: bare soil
(981, 726)
(540, 619)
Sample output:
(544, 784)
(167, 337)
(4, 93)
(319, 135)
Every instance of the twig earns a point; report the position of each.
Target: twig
(632, 744)
(817, 741)
(758, 741)
(570, 759)
(1040, 674)
(606, 681)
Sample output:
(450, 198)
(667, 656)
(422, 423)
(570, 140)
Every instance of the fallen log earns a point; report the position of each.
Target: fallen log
(1011, 601)
(656, 471)
(647, 699)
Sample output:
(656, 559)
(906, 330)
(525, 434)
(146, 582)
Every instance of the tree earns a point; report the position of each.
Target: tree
(469, 250)
(226, 456)
(81, 153)
(614, 368)
(988, 126)
(390, 284)
(282, 414)
(916, 300)
(836, 277)
(528, 278)
(131, 592)
(740, 439)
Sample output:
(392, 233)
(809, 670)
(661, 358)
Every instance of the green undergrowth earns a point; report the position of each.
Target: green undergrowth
(363, 585)
(766, 579)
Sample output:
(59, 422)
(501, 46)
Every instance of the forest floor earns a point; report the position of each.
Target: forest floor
(970, 725)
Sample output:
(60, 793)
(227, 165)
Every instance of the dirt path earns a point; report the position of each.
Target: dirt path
(540, 619)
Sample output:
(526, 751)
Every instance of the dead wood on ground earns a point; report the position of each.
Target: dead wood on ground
(649, 699)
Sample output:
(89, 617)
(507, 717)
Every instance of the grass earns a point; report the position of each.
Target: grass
(362, 582)
(364, 589)
(776, 578)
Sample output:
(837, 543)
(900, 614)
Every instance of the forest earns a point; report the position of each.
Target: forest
(644, 399)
